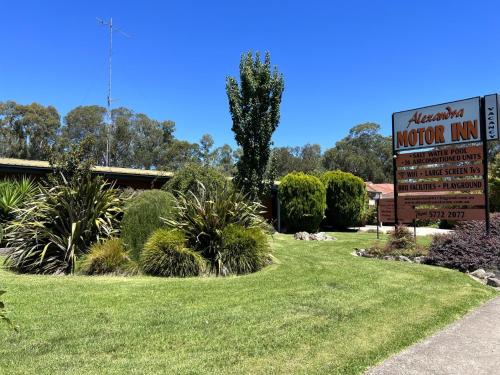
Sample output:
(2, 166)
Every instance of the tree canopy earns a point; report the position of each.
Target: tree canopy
(364, 152)
(254, 104)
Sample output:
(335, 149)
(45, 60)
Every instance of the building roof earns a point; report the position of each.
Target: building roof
(44, 165)
(385, 188)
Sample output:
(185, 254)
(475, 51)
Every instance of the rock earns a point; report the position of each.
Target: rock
(493, 282)
(490, 275)
(302, 236)
(418, 259)
(389, 257)
(479, 273)
(402, 258)
(320, 236)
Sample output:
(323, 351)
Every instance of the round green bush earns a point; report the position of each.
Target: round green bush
(187, 179)
(165, 254)
(142, 215)
(303, 201)
(345, 199)
(106, 257)
(243, 250)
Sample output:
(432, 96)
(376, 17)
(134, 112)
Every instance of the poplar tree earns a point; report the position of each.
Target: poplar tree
(254, 104)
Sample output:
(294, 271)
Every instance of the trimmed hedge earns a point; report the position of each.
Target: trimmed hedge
(165, 254)
(243, 250)
(303, 201)
(345, 199)
(187, 178)
(468, 248)
(142, 215)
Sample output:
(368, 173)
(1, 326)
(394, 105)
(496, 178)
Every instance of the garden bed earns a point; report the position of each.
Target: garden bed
(320, 310)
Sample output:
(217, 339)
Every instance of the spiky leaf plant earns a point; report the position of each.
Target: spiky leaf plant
(13, 193)
(203, 215)
(60, 223)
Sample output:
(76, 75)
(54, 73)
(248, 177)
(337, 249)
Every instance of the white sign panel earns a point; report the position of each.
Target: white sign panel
(437, 125)
(491, 117)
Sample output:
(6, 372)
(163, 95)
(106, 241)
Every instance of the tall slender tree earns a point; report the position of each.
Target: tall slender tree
(254, 104)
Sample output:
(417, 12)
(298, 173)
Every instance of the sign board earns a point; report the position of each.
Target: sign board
(437, 125)
(450, 214)
(453, 171)
(433, 186)
(441, 200)
(448, 180)
(386, 212)
(491, 117)
(441, 156)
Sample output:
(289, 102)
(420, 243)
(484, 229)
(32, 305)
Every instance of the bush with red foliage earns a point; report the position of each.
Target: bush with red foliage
(468, 248)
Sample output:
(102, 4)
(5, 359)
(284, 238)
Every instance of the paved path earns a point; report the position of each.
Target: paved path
(421, 231)
(469, 346)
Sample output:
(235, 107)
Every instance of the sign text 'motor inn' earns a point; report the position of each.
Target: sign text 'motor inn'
(437, 125)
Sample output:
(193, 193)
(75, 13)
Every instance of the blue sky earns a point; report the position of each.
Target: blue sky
(344, 62)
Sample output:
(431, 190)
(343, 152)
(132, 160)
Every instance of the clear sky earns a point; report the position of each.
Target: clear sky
(344, 62)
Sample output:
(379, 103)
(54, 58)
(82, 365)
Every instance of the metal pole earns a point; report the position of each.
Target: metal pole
(378, 219)
(485, 165)
(394, 176)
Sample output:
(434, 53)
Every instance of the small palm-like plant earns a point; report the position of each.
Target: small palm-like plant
(60, 223)
(202, 216)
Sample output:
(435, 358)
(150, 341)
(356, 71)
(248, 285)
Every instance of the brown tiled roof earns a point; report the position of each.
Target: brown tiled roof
(385, 188)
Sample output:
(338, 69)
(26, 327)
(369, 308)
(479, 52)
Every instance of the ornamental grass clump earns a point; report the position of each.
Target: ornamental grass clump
(107, 257)
(166, 254)
(243, 250)
(203, 215)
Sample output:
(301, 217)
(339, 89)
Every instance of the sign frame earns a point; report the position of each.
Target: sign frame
(483, 138)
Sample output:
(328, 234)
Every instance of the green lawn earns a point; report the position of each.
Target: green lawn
(319, 310)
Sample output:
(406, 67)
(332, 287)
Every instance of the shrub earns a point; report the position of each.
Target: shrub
(401, 238)
(243, 250)
(494, 194)
(371, 216)
(202, 217)
(345, 199)
(106, 257)
(187, 179)
(303, 201)
(142, 215)
(60, 223)
(468, 248)
(165, 254)
(13, 194)
(400, 242)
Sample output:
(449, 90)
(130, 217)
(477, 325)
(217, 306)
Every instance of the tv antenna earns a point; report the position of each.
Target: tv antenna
(110, 99)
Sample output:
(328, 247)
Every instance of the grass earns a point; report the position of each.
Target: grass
(319, 310)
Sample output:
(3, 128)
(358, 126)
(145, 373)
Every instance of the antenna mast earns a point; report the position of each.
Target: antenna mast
(110, 99)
